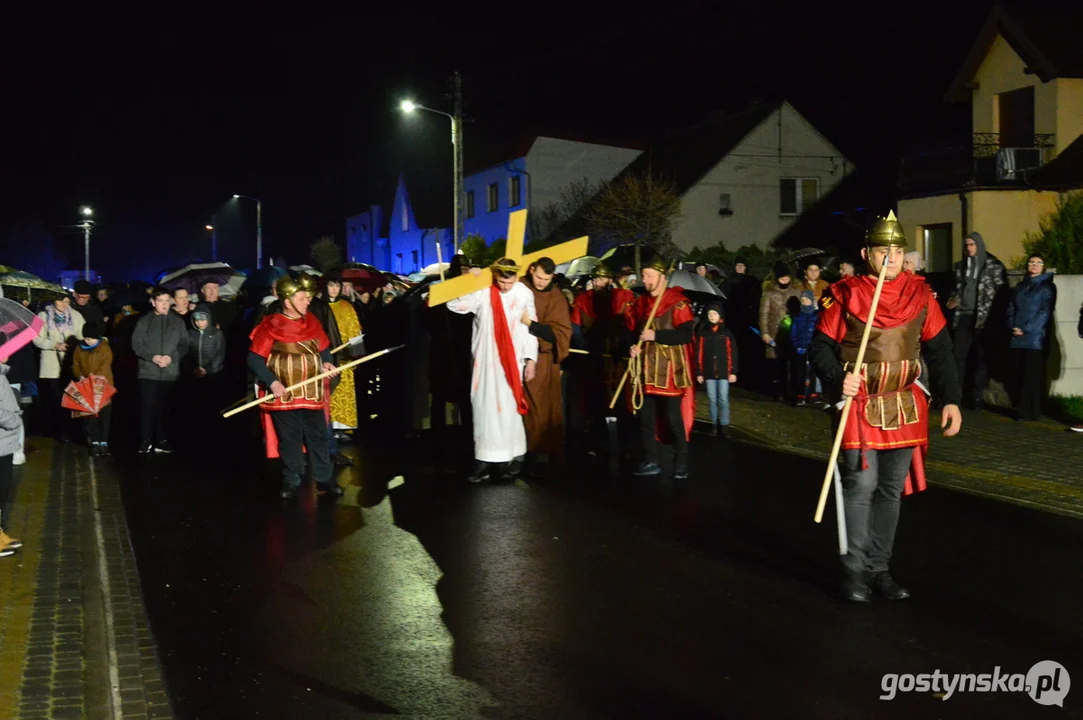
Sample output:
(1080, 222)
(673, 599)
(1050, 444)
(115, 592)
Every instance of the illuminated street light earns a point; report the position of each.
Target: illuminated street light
(408, 106)
(86, 211)
(210, 227)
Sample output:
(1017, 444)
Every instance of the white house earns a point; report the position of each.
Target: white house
(744, 178)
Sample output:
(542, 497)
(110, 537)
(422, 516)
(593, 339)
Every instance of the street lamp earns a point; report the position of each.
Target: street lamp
(408, 107)
(214, 242)
(87, 224)
(259, 228)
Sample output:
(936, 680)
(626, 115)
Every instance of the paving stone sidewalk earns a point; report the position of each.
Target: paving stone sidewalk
(74, 637)
(1036, 464)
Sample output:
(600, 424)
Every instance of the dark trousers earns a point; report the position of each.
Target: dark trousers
(58, 420)
(671, 408)
(6, 483)
(97, 428)
(871, 501)
(297, 431)
(1030, 374)
(970, 352)
(153, 397)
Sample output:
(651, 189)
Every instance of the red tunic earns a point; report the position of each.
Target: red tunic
(667, 368)
(894, 413)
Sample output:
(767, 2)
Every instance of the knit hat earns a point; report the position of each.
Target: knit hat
(201, 315)
(94, 329)
(716, 306)
(83, 287)
(782, 270)
(808, 294)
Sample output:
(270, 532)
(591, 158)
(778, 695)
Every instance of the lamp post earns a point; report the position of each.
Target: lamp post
(259, 228)
(87, 212)
(408, 107)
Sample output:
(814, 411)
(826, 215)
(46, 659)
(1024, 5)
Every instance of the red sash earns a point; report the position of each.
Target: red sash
(506, 349)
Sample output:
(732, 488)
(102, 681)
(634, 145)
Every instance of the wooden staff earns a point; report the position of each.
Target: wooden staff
(439, 260)
(828, 476)
(650, 320)
(321, 376)
(586, 352)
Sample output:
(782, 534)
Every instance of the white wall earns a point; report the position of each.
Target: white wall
(750, 174)
(554, 163)
(1066, 371)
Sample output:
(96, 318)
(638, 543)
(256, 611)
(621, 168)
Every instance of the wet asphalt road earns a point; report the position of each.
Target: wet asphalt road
(587, 597)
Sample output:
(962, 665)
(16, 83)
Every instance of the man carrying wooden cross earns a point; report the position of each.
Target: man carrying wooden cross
(289, 347)
(663, 369)
(504, 354)
(890, 413)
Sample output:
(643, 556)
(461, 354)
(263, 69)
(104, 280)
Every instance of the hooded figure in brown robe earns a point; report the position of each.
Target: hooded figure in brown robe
(545, 416)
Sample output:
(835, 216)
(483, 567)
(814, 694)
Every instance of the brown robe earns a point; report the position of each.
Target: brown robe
(545, 417)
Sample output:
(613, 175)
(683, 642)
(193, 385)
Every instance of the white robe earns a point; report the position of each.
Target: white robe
(499, 433)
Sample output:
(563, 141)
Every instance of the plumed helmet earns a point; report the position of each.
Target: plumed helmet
(886, 232)
(286, 287)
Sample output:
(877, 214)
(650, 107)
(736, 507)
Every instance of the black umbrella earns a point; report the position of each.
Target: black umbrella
(137, 297)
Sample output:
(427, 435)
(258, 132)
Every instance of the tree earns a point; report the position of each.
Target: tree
(544, 223)
(1060, 242)
(326, 254)
(474, 247)
(637, 209)
(496, 251)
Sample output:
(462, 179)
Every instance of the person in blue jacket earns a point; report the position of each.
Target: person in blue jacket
(1029, 314)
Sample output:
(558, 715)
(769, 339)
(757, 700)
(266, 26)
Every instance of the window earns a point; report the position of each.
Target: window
(724, 204)
(514, 192)
(405, 217)
(797, 195)
(469, 203)
(493, 201)
(414, 253)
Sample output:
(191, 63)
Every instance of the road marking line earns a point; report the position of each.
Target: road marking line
(107, 600)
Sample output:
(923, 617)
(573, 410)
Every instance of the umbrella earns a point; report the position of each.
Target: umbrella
(624, 255)
(18, 326)
(580, 267)
(137, 297)
(264, 278)
(365, 278)
(691, 281)
(306, 269)
(193, 277)
(434, 269)
(20, 279)
(88, 396)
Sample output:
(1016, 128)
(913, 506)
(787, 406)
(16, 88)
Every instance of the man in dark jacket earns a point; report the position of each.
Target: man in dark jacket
(160, 341)
(85, 303)
(979, 278)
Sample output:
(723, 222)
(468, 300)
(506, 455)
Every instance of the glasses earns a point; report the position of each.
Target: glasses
(1035, 262)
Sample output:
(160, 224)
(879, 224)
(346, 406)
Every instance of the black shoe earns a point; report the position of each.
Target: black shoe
(680, 473)
(164, 448)
(714, 431)
(511, 470)
(330, 491)
(146, 450)
(724, 431)
(480, 472)
(886, 587)
(93, 451)
(289, 495)
(856, 589)
(341, 460)
(647, 468)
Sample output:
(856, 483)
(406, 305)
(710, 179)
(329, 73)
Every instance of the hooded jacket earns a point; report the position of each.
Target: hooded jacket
(1031, 308)
(207, 348)
(11, 419)
(716, 349)
(978, 279)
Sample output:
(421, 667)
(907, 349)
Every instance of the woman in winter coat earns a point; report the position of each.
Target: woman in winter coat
(1029, 313)
(61, 328)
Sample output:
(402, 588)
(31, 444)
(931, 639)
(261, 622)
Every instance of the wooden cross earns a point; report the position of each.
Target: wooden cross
(464, 285)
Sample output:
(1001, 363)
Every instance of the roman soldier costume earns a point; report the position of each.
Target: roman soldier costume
(290, 348)
(664, 374)
(887, 432)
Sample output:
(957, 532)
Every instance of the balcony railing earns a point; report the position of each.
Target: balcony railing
(973, 161)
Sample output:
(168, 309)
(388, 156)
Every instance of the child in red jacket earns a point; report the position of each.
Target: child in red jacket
(716, 367)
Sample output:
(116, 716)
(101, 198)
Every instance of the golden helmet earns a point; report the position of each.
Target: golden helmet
(658, 263)
(886, 232)
(602, 270)
(286, 286)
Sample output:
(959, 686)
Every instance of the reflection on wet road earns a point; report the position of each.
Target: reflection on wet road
(419, 596)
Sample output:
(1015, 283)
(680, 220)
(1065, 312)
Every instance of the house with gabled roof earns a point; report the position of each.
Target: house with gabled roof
(1023, 78)
(744, 177)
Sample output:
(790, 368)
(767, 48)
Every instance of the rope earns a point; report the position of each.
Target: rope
(634, 364)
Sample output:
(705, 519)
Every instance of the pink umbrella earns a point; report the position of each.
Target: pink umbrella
(18, 326)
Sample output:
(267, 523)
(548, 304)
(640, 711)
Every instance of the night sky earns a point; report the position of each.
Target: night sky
(157, 120)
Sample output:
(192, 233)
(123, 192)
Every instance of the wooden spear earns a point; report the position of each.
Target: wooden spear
(829, 475)
(314, 378)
